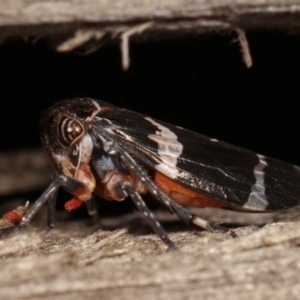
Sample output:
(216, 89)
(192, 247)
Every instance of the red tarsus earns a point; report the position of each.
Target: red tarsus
(73, 204)
(13, 216)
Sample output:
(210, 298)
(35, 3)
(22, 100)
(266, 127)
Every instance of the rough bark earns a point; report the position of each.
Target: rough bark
(217, 13)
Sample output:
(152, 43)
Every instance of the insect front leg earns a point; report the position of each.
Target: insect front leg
(69, 184)
(51, 211)
(125, 189)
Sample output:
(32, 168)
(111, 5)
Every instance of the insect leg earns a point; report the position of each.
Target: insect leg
(91, 206)
(49, 195)
(92, 211)
(189, 217)
(171, 205)
(130, 164)
(51, 212)
(125, 189)
(13, 217)
(69, 184)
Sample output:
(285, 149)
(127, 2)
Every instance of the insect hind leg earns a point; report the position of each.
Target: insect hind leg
(190, 218)
(171, 205)
(211, 227)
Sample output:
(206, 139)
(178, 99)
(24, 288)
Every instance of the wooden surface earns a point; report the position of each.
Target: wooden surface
(125, 261)
(78, 22)
(35, 12)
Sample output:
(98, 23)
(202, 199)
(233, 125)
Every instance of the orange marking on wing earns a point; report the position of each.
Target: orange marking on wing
(185, 196)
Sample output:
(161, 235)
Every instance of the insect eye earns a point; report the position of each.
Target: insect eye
(69, 131)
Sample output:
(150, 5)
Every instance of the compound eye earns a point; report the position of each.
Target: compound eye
(69, 131)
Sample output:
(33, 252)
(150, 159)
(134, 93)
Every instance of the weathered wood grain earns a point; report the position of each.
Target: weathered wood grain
(73, 262)
(78, 22)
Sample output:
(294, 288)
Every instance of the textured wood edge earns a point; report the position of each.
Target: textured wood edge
(73, 23)
(37, 12)
(87, 25)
